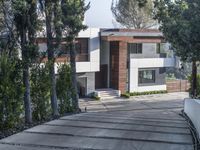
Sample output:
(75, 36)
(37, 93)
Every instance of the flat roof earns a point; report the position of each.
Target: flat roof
(131, 32)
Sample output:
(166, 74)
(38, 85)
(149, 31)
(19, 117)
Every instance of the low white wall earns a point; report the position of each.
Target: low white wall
(149, 88)
(136, 63)
(152, 62)
(192, 109)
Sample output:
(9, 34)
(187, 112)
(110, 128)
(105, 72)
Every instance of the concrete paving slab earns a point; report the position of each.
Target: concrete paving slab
(87, 143)
(116, 134)
(137, 122)
(133, 119)
(28, 147)
(132, 115)
(143, 123)
(85, 124)
(155, 146)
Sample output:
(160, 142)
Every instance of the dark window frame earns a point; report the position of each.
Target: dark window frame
(149, 79)
(158, 48)
(135, 48)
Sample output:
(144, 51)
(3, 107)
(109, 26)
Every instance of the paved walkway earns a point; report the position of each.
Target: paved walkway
(141, 123)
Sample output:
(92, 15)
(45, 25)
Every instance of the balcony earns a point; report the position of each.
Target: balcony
(66, 58)
(153, 62)
(84, 57)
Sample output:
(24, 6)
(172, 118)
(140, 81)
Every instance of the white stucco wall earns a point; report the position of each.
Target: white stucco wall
(135, 64)
(94, 47)
(192, 109)
(94, 51)
(152, 62)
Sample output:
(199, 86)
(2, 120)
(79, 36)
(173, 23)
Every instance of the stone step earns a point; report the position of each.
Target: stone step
(107, 93)
(113, 91)
(109, 97)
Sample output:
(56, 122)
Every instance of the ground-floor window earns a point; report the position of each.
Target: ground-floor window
(146, 76)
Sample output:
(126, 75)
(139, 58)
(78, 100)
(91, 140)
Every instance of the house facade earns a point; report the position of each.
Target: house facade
(135, 60)
(87, 58)
(120, 59)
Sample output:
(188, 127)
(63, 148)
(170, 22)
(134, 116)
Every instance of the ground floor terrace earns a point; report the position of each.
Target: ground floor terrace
(150, 122)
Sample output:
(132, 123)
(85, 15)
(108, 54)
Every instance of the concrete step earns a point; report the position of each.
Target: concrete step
(108, 97)
(108, 93)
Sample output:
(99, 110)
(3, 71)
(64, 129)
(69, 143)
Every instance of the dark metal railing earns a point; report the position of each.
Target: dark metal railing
(83, 57)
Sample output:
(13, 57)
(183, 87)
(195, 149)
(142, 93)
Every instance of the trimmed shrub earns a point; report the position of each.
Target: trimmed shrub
(125, 95)
(147, 93)
(40, 92)
(94, 96)
(11, 92)
(97, 98)
(64, 89)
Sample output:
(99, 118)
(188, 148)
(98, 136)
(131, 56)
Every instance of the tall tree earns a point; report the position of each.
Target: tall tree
(52, 11)
(25, 19)
(73, 12)
(180, 24)
(136, 14)
(7, 28)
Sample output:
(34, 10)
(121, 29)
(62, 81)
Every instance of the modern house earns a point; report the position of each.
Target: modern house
(134, 60)
(87, 59)
(120, 59)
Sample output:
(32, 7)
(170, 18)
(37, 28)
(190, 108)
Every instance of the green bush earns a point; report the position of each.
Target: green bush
(97, 98)
(147, 93)
(64, 89)
(11, 92)
(40, 92)
(125, 95)
(94, 96)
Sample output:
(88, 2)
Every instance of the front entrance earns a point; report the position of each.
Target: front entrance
(101, 78)
(118, 65)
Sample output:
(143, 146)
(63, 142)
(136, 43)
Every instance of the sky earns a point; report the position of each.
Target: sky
(99, 15)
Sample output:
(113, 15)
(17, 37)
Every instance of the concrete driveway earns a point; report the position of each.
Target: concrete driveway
(141, 123)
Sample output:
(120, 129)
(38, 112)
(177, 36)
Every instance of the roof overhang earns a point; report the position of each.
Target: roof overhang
(133, 34)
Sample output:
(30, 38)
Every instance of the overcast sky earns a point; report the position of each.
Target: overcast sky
(99, 15)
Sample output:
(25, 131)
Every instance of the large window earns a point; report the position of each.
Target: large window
(135, 48)
(81, 47)
(158, 48)
(146, 76)
(82, 53)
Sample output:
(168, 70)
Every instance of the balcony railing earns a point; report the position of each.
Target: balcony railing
(66, 58)
(84, 57)
(163, 55)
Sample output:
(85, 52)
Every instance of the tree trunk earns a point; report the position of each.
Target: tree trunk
(74, 77)
(26, 82)
(50, 50)
(27, 97)
(54, 104)
(194, 79)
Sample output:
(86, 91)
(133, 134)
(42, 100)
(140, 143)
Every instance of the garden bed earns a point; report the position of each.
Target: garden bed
(128, 95)
(21, 127)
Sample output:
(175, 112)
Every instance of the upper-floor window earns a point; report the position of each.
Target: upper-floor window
(82, 49)
(135, 48)
(81, 46)
(158, 48)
